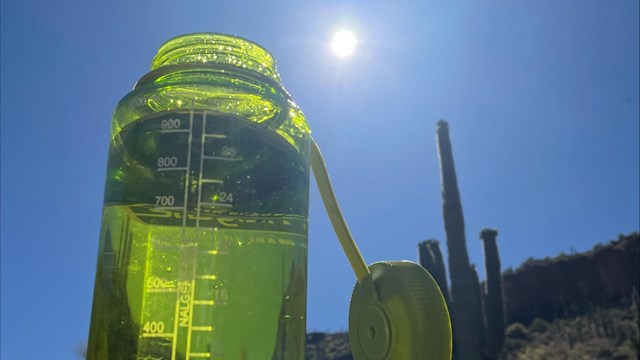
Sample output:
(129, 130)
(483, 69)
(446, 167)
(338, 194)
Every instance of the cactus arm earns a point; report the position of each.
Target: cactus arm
(493, 304)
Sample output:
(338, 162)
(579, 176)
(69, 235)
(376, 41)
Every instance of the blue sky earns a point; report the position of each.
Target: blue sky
(541, 97)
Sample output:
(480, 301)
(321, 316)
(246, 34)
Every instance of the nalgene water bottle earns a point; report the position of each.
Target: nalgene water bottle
(203, 244)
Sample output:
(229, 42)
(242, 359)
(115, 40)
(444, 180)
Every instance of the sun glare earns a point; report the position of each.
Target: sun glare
(343, 43)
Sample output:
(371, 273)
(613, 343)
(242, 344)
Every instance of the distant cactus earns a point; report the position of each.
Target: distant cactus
(477, 315)
(426, 259)
(492, 295)
(488, 309)
(430, 258)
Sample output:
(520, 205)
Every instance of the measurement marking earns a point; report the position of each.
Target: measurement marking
(208, 277)
(164, 335)
(212, 181)
(215, 204)
(167, 290)
(202, 328)
(175, 329)
(176, 131)
(215, 136)
(199, 355)
(186, 181)
(190, 324)
(204, 127)
(221, 158)
(169, 207)
(173, 169)
(174, 343)
(204, 302)
(189, 354)
(215, 252)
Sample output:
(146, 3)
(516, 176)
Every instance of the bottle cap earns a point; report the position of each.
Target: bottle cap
(404, 317)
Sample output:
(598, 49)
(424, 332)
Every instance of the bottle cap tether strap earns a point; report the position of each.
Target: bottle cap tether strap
(397, 310)
(335, 215)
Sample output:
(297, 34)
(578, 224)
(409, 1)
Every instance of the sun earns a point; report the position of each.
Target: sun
(343, 43)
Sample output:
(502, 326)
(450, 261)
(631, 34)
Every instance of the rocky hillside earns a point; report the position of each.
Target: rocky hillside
(557, 287)
(597, 334)
(324, 346)
(600, 333)
(579, 306)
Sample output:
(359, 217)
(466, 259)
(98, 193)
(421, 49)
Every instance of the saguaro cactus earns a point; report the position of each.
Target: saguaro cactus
(490, 305)
(492, 295)
(477, 313)
(463, 295)
(430, 258)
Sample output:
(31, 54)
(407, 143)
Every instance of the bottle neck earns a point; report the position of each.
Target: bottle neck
(210, 49)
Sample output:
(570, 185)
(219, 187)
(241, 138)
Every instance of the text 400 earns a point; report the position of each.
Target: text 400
(153, 327)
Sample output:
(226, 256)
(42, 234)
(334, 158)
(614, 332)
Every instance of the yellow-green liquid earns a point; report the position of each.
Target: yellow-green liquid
(203, 243)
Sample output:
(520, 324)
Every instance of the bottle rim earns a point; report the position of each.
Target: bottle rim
(215, 48)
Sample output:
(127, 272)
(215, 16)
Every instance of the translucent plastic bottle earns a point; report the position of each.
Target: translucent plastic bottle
(203, 244)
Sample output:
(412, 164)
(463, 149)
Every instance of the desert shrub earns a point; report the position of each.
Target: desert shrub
(518, 331)
(624, 353)
(539, 326)
(624, 330)
(516, 337)
(534, 354)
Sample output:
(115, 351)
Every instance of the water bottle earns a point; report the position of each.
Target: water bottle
(203, 242)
